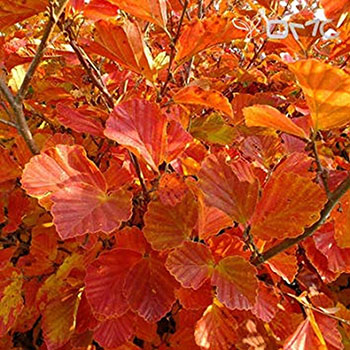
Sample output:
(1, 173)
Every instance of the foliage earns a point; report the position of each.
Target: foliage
(172, 180)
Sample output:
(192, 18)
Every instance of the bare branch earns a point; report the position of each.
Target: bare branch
(54, 16)
(8, 123)
(289, 242)
(21, 122)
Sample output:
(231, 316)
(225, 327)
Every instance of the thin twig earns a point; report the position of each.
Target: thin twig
(8, 123)
(320, 169)
(55, 13)
(97, 81)
(173, 51)
(289, 242)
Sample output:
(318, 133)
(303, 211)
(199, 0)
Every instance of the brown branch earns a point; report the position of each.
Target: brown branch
(54, 16)
(289, 242)
(21, 122)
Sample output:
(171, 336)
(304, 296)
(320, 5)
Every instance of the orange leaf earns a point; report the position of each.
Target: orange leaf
(11, 299)
(333, 9)
(226, 190)
(59, 319)
(305, 337)
(202, 34)
(236, 283)
(208, 98)
(140, 126)
(190, 264)
(216, 330)
(167, 226)
(15, 11)
(126, 45)
(82, 208)
(341, 215)
(9, 169)
(57, 167)
(287, 195)
(319, 261)
(154, 11)
(270, 117)
(105, 280)
(149, 289)
(327, 92)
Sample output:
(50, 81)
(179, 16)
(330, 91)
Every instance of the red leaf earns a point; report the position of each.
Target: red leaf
(105, 279)
(338, 258)
(341, 215)
(78, 121)
(266, 303)
(171, 189)
(140, 126)
(115, 331)
(149, 289)
(236, 283)
(305, 337)
(9, 169)
(81, 208)
(57, 167)
(190, 264)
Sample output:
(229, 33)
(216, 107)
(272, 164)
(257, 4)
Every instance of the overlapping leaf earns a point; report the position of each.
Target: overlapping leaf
(140, 126)
(78, 121)
(105, 280)
(209, 98)
(216, 330)
(202, 34)
(191, 264)
(125, 44)
(326, 89)
(78, 190)
(287, 195)
(226, 189)
(149, 289)
(150, 10)
(168, 226)
(236, 283)
(270, 117)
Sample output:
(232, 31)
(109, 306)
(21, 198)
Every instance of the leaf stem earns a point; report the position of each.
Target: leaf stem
(289, 242)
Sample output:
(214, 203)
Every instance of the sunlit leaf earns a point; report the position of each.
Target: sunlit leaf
(125, 44)
(202, 34)
(216, 330)
(150, 10)
(208, 98)
(82, 208)
(327, 92)
(270, 117)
